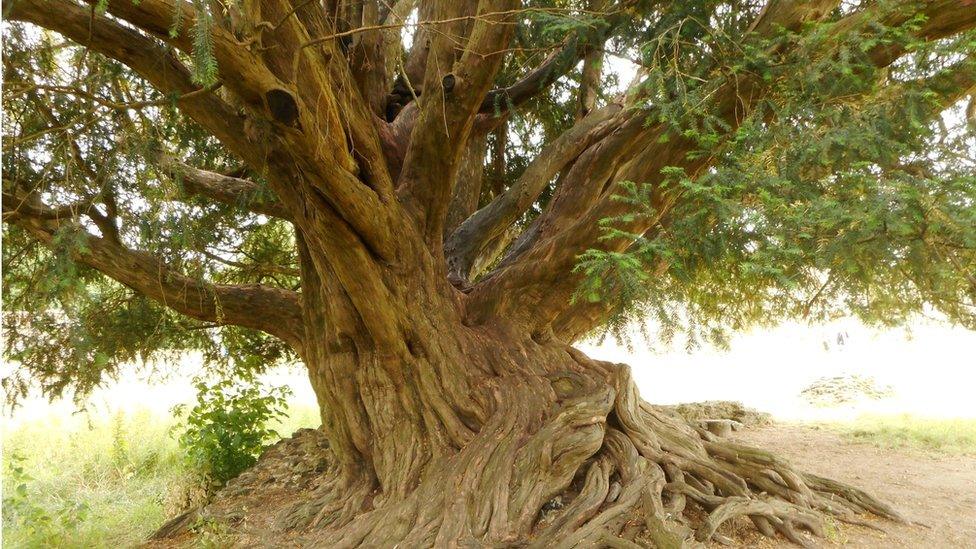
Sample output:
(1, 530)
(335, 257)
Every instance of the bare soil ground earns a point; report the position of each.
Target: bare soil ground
(935, 490)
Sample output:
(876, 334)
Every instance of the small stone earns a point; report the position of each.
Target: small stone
(553, 504)
(718, 427)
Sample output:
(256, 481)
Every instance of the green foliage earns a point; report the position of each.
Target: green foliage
(35, 522)
(123, 467)
(204, 63)
(67, 327)
(845, 191)
(225, 431)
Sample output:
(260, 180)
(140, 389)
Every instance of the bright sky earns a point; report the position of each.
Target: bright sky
(932, 370)
(933, 373)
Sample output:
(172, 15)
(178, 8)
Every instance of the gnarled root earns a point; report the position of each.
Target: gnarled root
(577, 459)
(651, 466)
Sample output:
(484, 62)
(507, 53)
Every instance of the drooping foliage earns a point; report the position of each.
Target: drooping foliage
(71, 134)
(848, 189)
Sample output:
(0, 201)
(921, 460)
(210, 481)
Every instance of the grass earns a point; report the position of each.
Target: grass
(97, 481)
(947, 436)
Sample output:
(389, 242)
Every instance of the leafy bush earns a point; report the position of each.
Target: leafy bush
(228, 426)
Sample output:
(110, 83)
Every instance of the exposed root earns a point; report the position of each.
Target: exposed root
(575, 460)
(335, 501)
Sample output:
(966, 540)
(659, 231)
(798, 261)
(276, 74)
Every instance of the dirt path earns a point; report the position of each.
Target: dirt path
(936, 490)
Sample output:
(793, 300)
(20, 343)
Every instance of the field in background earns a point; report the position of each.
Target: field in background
(111, 474)
(949, 436)
(100, 480)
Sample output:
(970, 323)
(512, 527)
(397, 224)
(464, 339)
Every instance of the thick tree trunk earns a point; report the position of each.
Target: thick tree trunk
(490, 436)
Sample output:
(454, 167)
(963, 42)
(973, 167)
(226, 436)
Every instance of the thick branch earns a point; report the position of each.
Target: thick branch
(242, 70)
(555, 66)
(576, 47)
(328, 154)
(368, 58)
(453, 91)
(272, 310)
(470, 179)
(222, 188)
(941, 18)
(478, 231)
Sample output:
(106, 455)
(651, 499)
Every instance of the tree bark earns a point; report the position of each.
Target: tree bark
(457, 434)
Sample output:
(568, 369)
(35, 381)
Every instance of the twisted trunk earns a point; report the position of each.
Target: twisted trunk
(487, 435)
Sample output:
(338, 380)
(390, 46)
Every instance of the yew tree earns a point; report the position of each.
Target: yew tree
(427, 202)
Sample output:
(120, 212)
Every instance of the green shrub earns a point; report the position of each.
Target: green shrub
(225, 431)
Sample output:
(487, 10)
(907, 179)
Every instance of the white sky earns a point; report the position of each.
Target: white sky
(933, 374)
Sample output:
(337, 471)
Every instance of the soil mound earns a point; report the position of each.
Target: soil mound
(840, 390)
(696, 412)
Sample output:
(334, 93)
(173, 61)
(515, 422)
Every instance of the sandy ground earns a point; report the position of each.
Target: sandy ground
(935, 490)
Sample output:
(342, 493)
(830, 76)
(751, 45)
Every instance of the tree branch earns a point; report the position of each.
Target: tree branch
(228, 190)
(272, 310)
(475, 234)
(241, 69)
(453, 91)
(467, 191)
(576, 47)
(369, 58)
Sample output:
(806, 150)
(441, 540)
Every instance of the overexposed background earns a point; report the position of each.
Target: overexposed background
(931, 368)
